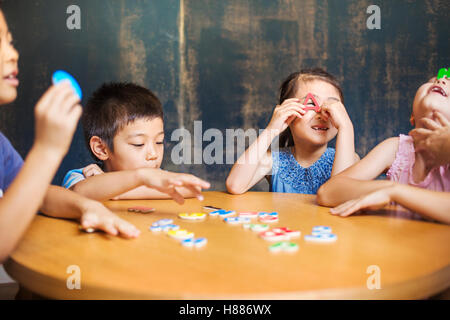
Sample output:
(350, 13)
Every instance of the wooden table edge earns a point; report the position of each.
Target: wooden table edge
(54, 288)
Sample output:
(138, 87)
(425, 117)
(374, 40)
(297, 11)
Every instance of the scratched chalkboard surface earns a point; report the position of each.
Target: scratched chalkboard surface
(221, 62)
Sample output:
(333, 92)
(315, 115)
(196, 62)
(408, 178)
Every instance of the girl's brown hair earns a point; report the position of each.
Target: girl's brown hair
(290, 86)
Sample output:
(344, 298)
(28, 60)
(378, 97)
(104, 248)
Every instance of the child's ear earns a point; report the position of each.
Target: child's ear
(99, 148)
(412, 121)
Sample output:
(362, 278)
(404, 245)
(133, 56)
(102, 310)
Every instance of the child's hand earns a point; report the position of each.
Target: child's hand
(57, 114)
(335, 111)
(167, 182)
(285, 113)
(92, 170)
(434, 139)
(95, 215)
(372, 201)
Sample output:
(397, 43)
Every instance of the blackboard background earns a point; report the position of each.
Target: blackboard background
(221, 62)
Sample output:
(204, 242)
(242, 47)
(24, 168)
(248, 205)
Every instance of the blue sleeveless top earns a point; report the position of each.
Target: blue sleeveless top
(290, 177)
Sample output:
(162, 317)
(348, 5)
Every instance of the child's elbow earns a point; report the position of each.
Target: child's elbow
(77, 188)
(322, 196)
(232, 187)
(5, 250)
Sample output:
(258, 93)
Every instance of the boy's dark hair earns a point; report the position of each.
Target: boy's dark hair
(290, 86)
(113, 106)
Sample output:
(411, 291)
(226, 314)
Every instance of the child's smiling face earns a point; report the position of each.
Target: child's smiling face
(433, 95)
(140, 144)
(9, 58)
(312, 127)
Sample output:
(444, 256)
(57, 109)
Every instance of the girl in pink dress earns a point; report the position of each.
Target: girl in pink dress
(417, 179)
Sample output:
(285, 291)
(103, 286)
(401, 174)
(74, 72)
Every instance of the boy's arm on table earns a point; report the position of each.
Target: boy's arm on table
(141, 192)
(430, 204)
(105, 186)
(356, 181)
(63, 203)
(111, 184)
(144, 192)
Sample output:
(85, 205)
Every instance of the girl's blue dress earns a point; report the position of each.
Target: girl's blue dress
(290, 177)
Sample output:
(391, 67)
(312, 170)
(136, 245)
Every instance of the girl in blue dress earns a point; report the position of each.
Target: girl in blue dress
(310, 114)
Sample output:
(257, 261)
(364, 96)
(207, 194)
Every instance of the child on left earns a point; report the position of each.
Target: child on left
(25, 186)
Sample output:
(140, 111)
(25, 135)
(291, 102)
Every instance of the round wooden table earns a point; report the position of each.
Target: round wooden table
(413, 257)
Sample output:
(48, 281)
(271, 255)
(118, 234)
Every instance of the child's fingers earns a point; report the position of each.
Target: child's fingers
(175, 195)
(342, 207)
(294, 105)
(441, 119)
(126, 229)
(350, 208)
(105, 224)
(75, 114)
(290, 100)
(420, 133)
(291, 118)
(188, 179)
(89, 220)
(430, 124)
(197, 191)
(293, 112)
(91, 170)
(108, 226)
(57, 104)
(47, 97)
(195, 185)
(324, 112)
(69, 103)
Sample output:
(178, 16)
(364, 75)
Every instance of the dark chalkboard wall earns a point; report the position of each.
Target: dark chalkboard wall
(222, 61)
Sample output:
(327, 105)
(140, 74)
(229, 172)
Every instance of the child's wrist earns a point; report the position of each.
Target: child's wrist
(50, 155)
(346, 126)
(393, 190)
(271, 132)
(143, 175)
(86, 205)
(139, 175)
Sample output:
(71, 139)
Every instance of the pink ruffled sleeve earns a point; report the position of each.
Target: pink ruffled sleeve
(404, 158)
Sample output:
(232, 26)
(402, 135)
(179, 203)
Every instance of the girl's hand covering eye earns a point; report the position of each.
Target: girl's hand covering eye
(285, 113)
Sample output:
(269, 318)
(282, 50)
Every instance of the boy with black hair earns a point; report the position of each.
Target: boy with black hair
(124, 130)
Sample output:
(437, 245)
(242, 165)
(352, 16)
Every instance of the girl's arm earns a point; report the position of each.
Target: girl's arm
(253, 165)
(353, 182)
(431, 204)
(256, 162)
(345, 142)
